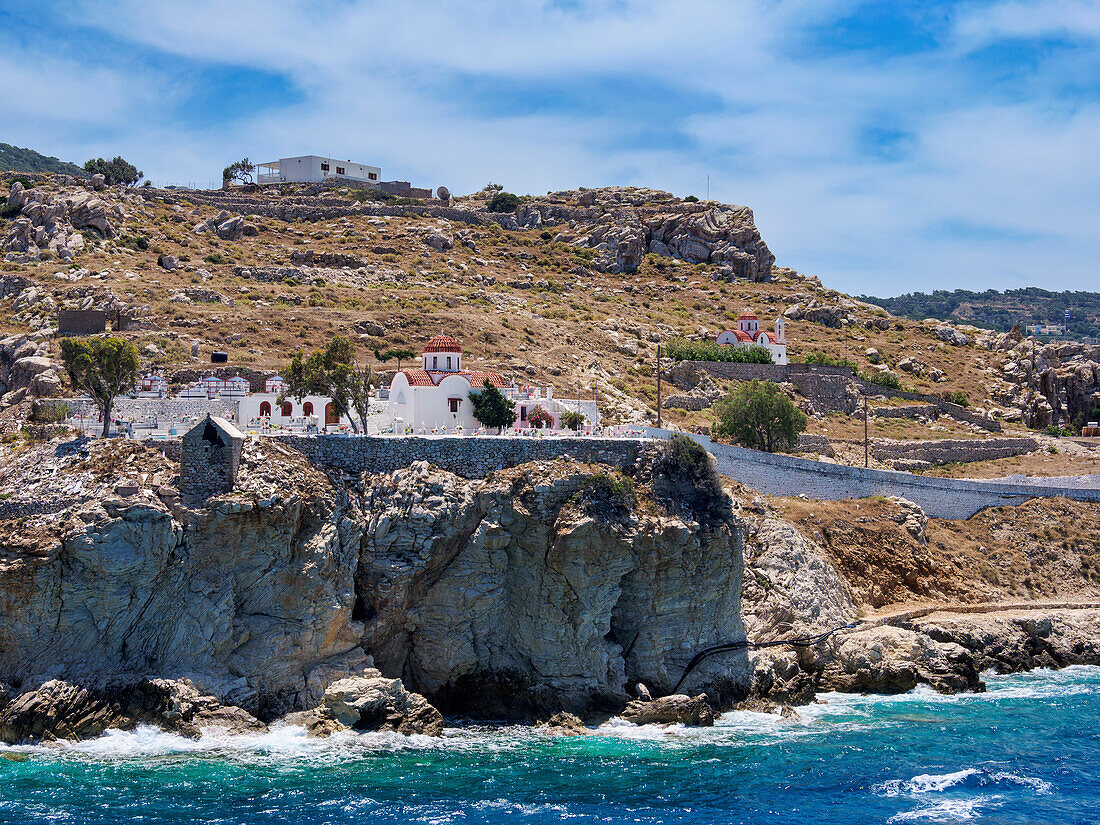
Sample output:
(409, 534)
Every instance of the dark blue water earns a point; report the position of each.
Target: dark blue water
(1026, 752)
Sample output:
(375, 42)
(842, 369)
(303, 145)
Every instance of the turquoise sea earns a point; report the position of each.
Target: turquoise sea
(1028, 751)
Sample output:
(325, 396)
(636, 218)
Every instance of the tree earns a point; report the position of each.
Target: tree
(115, 171)
(102, 367)
(332, 372)
(503, 202)
(760, 416)
(240, 171)
(399, 354)
(572, 420)
(492, 408)
(538, 417)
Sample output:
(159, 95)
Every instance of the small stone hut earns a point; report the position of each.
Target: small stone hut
(209, 458)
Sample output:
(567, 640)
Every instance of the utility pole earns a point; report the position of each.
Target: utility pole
(866, 447)
(708, 186)
(658, 386)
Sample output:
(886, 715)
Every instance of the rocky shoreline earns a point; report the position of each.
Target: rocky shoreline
(550, 591)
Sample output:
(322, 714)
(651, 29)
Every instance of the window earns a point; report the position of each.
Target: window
(448, 362)
(522, 413)
(453, 403)
(307, 408)
(435, 362)
(288, 409)
(324, 167)
(372, 176)
(340, 170)
(265, 408)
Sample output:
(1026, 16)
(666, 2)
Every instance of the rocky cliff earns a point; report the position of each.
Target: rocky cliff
(553, 586)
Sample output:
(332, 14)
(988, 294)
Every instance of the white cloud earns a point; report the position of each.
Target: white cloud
(780, 123)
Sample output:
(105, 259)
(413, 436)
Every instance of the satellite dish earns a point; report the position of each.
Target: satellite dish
(443, 193)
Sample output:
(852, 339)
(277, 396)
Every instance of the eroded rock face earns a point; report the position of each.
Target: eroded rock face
(503, 598)
(57, 709)
(721, 235)
(249, 598)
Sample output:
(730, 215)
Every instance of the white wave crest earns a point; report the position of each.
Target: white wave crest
(947, 810)
(925, 783)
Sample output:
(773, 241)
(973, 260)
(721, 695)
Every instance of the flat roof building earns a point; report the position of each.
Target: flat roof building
(315, 169)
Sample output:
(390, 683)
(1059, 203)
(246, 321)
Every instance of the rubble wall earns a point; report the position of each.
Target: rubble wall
(466, 456)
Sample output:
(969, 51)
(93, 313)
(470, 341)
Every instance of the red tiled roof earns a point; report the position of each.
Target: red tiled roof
(442, 343)
(431, 378)
(478, 378)
(747, 316)
(418, 378)
(771, 337)
(741, 335)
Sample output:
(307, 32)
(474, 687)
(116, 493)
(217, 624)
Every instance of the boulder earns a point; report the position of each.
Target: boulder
(15, 194)
(233, 229)
(439, 241)
(88, 212)
(946, 332)
(169, 262)
(693, 711)
(873, 355)
(99, 182)
(317, 722)
(566, 724)
(374, 703)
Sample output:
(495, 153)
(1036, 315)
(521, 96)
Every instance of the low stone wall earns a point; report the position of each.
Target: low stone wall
(949, 498)
(163, 409)
(951, 450)
(467, 456)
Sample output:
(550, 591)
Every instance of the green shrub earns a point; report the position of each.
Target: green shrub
(680, 349)
(686, 481)
(826, 360)
(572, 420)
(216, 258)
(9, 210)
(607, 496)
(504, 202)
(957, 397)
(1057, 432)
(546, 235)
(885, 379)
(691, 199)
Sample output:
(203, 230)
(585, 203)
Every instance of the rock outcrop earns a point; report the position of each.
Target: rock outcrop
(693, 711)
(373, 702)
(57, 709)
(506, 597)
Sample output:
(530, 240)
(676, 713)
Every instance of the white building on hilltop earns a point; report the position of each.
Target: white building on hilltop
(314, 169)
(436, 397)
(749, 334)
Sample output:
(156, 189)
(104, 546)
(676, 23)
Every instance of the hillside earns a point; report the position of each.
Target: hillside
(15, 159)
(1001, 311)
(574, 290)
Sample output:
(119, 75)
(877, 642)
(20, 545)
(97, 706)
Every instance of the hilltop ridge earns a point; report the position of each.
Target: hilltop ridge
(17, 159)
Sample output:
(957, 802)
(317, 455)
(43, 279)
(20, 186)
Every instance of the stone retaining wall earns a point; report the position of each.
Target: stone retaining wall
(467, 456)
(951, 450)
(949, 498)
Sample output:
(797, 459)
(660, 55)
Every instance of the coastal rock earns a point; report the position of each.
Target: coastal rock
(885, 659)
(566, 724)
(372, 702)
(946, 332)
(693, 711)
(61, 710)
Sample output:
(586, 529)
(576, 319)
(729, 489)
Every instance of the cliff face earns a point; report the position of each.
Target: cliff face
(504, 597)
(249, 598)
(500, 597)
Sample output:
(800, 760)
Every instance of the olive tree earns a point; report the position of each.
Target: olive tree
(759, 415)
(104, 368)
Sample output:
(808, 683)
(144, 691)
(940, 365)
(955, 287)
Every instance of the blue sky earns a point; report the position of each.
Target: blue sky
(885, 146)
